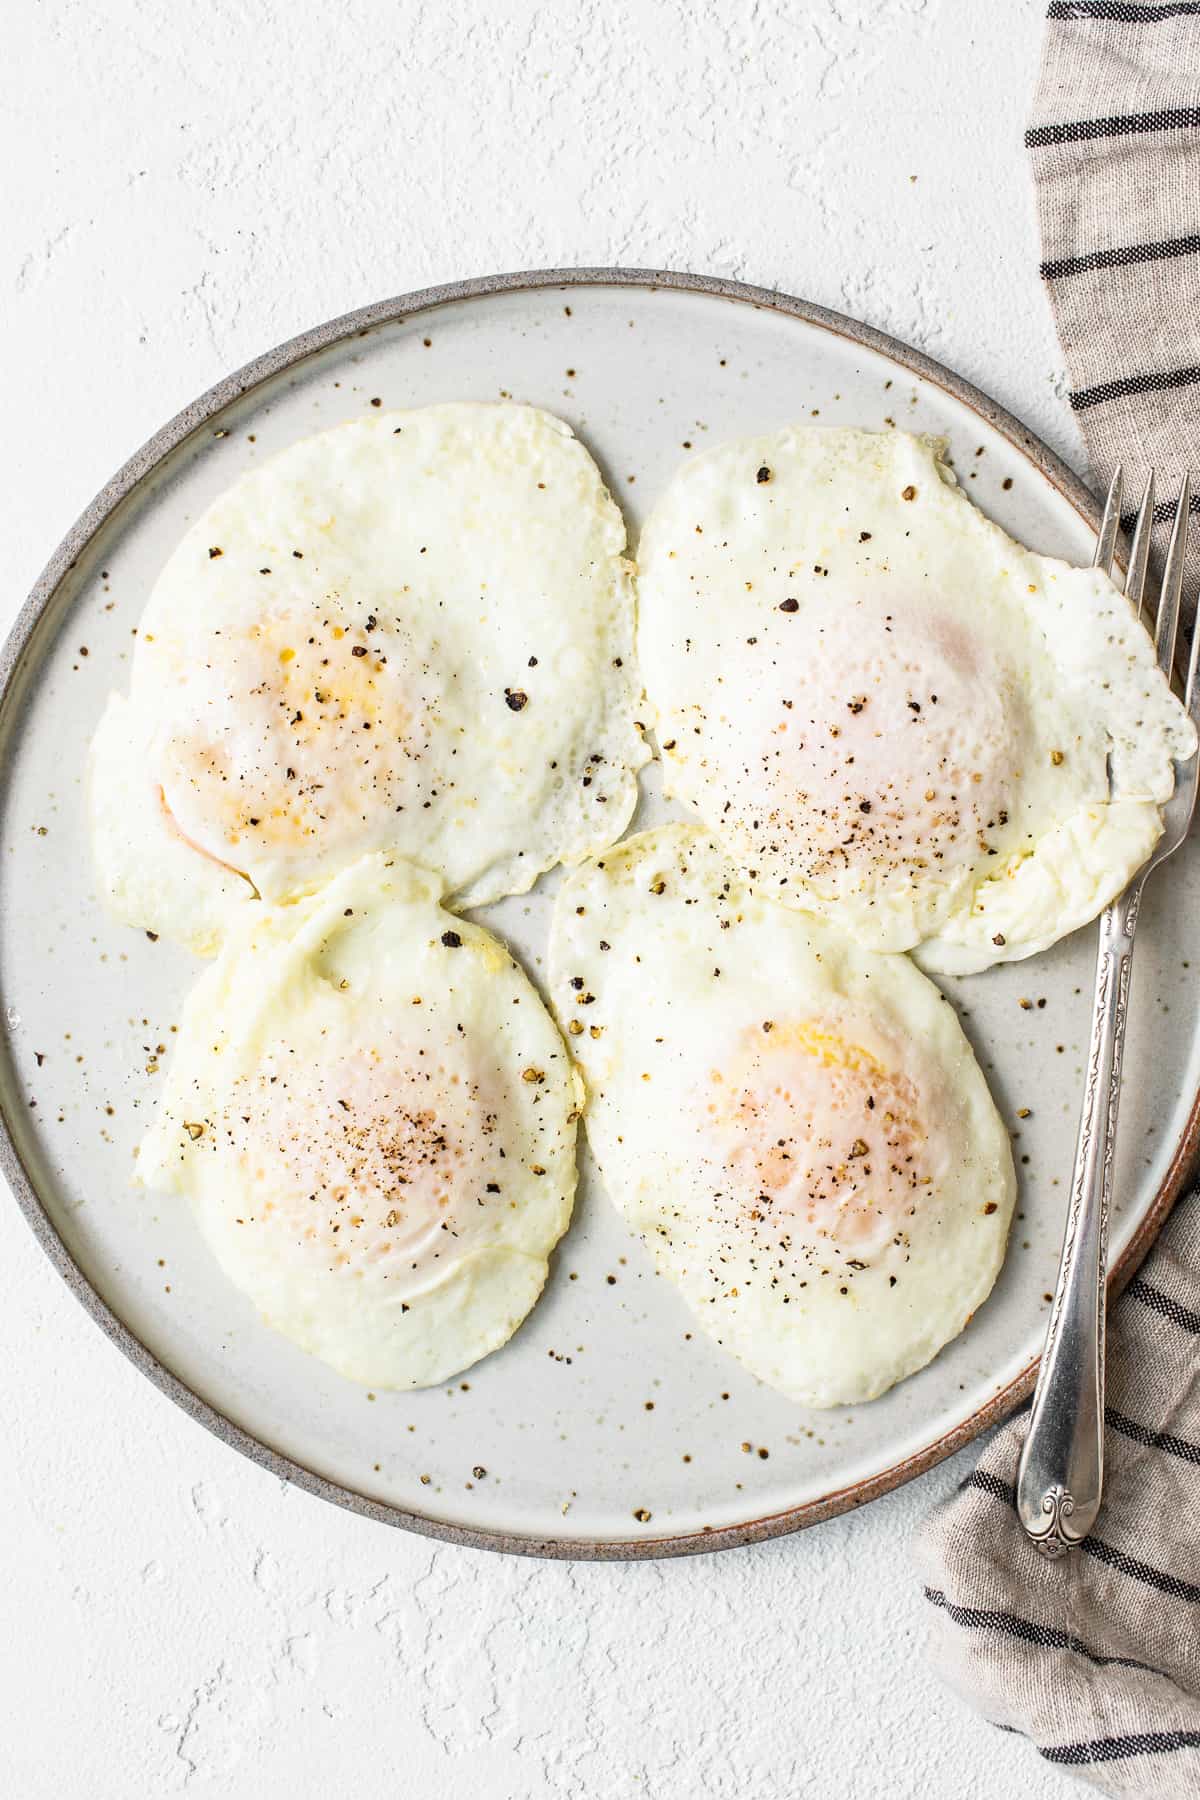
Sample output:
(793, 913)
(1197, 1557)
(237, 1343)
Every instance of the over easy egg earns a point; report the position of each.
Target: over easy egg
(796, 1126)
(412, 633)
(891, 713)
(374, 1117)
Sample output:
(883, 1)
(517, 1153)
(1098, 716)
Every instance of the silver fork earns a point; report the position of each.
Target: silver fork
(1061, 1472)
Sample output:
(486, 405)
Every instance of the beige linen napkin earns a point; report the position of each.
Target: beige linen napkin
(1096, 1657)
(1114, 148)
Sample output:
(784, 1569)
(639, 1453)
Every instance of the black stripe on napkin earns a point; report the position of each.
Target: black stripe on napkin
(1119, 13)
(1162, 1303)
(1163, 511)
(1123, 258)
(1144, 1743)
(990, 1484)
(1094, 1546)
(1140, 1571)
(1046, 1637)
(1079, 131)
(1152, 1440)
(1082, 398)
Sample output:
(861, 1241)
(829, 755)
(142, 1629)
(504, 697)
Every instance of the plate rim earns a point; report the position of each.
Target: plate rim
(186, 423)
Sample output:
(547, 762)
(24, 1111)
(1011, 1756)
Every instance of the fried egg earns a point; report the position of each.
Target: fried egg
(796, 1126)
(892, 714)
(373, 1116)
(412, 634)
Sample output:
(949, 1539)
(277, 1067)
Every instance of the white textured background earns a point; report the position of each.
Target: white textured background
(180, 187)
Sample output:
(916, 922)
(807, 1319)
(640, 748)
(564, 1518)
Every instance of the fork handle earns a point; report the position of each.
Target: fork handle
(1061, 1472)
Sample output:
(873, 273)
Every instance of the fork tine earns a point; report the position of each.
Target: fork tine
(1191, 697)
(1172, 583)
(1110, 524)
(1139, 556)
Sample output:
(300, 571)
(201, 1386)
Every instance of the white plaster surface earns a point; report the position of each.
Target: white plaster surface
(183, 186)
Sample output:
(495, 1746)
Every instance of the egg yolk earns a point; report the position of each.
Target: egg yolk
(383, 1158)
(888, 755)
(296, 735)
(823, 1147)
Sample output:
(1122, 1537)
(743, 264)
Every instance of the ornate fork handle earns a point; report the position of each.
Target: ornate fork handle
(1060, 1474)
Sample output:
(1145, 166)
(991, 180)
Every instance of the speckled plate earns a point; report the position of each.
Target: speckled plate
(603, 1428)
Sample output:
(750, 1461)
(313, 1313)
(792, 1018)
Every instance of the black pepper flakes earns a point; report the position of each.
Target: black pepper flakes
(515, 699)
(789, 606)
(452, 940)
(763, 476)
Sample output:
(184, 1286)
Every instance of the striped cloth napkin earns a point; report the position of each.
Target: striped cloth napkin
(1115, 153)
(1096, 1657)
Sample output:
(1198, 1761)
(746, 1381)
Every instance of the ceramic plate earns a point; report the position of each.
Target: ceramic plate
(605, 1429)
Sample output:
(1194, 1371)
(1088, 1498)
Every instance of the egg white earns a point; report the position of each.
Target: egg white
(796, 1126)
(894, 715)
(373, 1116)
(411, 633)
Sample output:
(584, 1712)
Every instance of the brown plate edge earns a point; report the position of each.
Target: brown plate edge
(192, 419)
